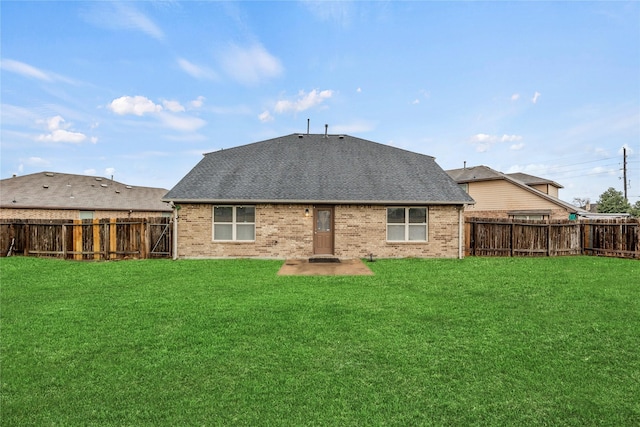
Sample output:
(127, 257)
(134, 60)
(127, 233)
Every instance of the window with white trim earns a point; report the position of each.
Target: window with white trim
(407, 224)
(234, 223)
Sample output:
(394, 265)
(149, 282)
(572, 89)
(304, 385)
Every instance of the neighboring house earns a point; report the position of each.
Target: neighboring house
(516, 195)
(306, 195)
(52, 195)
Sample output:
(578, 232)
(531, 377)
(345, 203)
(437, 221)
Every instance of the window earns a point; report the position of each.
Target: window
(234, 223)
(407, 224)
(86, 214)
(465, 187)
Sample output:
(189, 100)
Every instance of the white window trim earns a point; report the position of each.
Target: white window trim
(406, 224)
(233, 223)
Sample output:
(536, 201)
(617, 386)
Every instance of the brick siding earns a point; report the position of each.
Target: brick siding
(283, 231)
(71, 214)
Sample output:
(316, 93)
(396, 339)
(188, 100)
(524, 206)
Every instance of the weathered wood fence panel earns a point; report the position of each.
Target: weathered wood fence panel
(88, 239)
(608, 237)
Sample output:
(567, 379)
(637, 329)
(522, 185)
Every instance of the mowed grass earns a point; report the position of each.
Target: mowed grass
(479, 341)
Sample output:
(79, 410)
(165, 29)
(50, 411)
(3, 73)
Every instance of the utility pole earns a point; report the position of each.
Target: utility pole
(624, 172)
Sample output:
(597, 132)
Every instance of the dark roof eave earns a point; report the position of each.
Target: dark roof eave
(322, 202)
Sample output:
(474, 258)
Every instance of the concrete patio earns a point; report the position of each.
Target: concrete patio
(346, 267)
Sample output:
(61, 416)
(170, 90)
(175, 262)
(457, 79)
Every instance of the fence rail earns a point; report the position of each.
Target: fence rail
(604, 237)
(106, 239)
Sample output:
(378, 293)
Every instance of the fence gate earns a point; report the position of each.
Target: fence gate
(104, 239)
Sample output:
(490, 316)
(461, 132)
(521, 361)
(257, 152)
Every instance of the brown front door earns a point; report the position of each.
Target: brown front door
(323, 231)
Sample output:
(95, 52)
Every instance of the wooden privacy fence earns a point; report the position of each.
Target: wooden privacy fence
(105, 239)
(606, 237)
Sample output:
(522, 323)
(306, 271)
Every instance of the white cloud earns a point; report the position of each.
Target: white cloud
(37, 161)
(265, 117)
(359, 90)
(137, 105)
(516, 147)
(110, 171)
(510, 138)
(415, 101)
(122, 16)
(535, 98)
(515, 96)
(250, 65)
(25, 70)
(198, 102)
(303, 102)
(181, 123)
(173, 106)
(169, 116)
(89, 172)
(197, 71)
(339, 12)
(59, 133)
(484, 141)
(30, 71)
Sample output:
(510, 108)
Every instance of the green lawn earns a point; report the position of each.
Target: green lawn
(480, 341)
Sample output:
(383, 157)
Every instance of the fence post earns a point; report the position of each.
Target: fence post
(96, 239)
(144, 235)
(77, 239)
(113, 235)
(27, 240)
(511, 239)
(548, 237)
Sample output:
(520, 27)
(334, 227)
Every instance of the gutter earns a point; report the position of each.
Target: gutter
(461, 232)
(175, 232)
(325, 202)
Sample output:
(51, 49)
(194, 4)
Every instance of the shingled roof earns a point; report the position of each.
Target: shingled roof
(52, 190)
(485, 173)
(317, 168)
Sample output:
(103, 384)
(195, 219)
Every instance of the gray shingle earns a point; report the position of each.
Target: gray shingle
(51, 190)
(315, 168)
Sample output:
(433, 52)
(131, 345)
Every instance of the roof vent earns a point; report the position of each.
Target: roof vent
(98, 179)
(128, 186)
(300, 136)
(49, 173)
(326, 130)
(341, 136)
(103, 185)
(45, 186)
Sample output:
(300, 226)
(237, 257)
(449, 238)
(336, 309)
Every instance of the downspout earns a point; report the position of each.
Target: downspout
(460, 233)
(175, 232)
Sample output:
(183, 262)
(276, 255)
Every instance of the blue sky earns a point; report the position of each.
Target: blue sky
(140, 90)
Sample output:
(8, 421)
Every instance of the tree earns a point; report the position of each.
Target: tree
(581, 202)
(612, 201)
(635, 209)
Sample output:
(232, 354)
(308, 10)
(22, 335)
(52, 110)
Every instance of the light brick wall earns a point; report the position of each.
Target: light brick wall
(70, 214)
(283, 231)
(499, 214)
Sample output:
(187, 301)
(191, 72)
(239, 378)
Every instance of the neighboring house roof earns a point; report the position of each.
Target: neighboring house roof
(485, 173)
(52, 190)
(318, 168)
(533, 180)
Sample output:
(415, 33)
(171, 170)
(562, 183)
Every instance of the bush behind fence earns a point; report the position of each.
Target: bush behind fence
(105, 239)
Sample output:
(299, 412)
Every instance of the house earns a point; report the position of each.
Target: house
(306, 195)
(53, 195)
(517, 195)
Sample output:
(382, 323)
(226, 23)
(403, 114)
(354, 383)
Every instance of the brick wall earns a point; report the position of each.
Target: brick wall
(70, 214)
(497, 214)
(283, 231)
